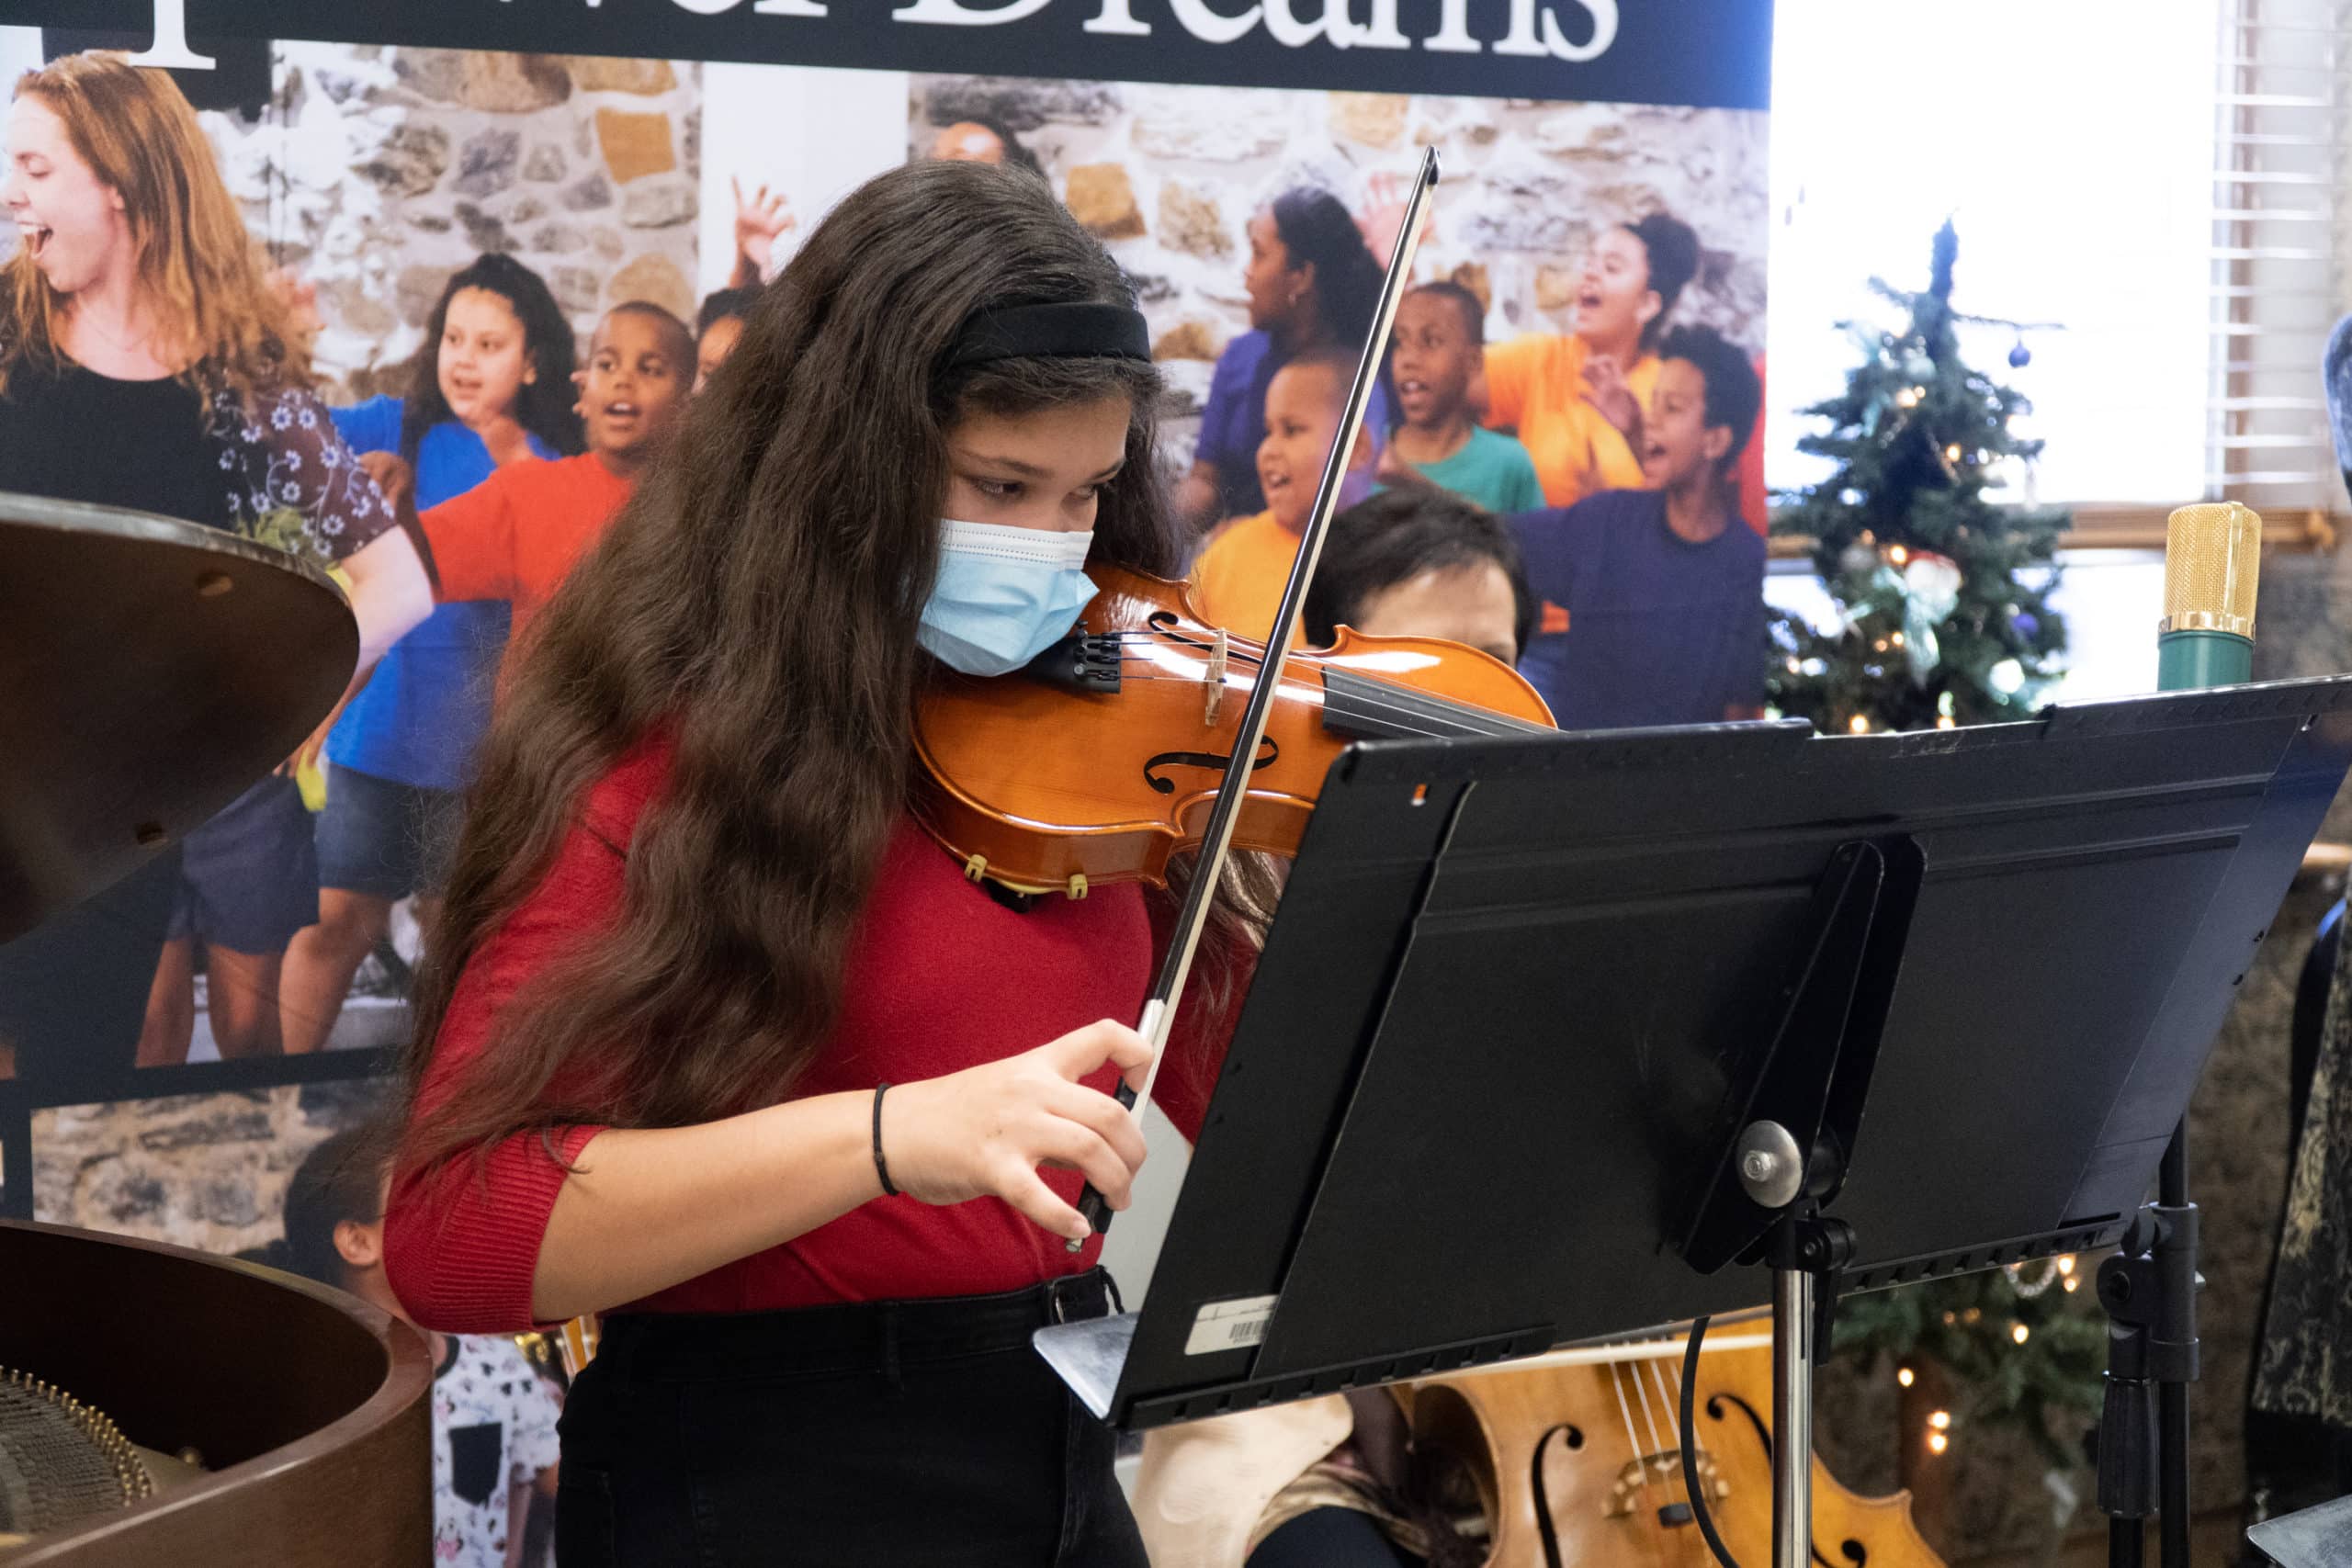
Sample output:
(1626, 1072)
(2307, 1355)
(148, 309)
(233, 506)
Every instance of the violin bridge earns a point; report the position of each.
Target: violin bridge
(1213, 697)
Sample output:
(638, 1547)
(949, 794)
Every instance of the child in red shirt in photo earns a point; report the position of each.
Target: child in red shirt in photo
(516, 535)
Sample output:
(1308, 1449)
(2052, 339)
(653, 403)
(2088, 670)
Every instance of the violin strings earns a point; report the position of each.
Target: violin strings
(1404, 719)
(1254, 661)
(1400, 715)
(1397, 721)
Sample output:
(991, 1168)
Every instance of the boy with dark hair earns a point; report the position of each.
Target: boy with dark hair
(1440, 345)
(1654, 598)
(515, 535)
(1418, 562)
(494, 1415)
(717, 326)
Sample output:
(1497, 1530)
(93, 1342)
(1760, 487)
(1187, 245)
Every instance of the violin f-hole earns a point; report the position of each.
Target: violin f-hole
(1267, 752)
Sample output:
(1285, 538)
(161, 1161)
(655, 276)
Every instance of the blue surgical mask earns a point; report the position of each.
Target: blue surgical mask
(1003, 596)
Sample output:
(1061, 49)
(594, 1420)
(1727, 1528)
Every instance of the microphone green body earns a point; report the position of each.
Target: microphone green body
(2186, 661)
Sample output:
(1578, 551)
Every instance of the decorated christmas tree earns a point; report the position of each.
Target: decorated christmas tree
(1942, 590)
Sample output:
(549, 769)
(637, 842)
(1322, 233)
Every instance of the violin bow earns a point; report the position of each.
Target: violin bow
(1217, 840)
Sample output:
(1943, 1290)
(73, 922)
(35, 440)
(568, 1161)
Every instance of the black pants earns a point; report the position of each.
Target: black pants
(1329, 1538)
(919, 1433)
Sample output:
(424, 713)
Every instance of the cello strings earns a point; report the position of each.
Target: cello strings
(1666, 1397)
(1641, 1461)
(1632, 1442)
(1657, 1445)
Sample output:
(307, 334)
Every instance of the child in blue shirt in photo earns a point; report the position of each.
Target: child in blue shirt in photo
(1312, 286)
(491, 385)
(1653, 599)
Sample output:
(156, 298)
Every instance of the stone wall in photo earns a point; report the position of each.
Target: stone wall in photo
(378, 171)
(202, 1170)
(1169, 176)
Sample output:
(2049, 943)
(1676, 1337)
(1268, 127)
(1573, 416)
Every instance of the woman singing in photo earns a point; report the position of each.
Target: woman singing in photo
(145, 362)
(716, 1039)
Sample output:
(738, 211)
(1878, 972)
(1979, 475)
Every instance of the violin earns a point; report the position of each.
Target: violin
(1576, 1457)
(1102, 758)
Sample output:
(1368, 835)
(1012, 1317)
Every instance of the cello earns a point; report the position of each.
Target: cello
(1576, 1457)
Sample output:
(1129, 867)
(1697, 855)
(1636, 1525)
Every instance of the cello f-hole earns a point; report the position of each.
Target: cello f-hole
(1715, 1402)
(1571, 1437)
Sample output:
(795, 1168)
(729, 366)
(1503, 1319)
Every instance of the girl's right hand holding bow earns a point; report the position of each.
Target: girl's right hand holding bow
(984, 1132)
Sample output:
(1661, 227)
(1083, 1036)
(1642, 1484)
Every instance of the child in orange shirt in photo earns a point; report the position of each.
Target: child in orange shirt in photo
(1576, 400)
(1238, 582)
(515, 535)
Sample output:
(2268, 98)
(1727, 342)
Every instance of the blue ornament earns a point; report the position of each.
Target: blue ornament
(2020, 356)
(2025, 625)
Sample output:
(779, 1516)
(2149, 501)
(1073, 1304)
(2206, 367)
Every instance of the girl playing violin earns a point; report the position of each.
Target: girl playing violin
(716, 1041)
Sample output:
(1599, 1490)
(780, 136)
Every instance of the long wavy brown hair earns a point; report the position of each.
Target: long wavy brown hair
(758, 600)
(197, 266)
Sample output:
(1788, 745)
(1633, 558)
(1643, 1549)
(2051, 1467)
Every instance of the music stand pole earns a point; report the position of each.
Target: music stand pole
(2149, 1288)
(2180, 1261)
(1793, 1418)
(1804, 1252)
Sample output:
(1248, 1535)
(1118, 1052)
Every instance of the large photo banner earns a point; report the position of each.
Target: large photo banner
(514, 236)
(1709, 53)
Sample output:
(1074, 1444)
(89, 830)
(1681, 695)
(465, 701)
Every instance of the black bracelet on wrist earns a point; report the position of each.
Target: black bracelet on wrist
(881, 1165)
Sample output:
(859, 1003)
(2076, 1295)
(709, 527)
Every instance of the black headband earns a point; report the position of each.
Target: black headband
(1052, 332)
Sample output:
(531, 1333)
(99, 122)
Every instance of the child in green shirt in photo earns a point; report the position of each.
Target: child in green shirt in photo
(1440, 344)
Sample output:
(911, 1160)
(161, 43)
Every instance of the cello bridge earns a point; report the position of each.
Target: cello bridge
(1636, 1485)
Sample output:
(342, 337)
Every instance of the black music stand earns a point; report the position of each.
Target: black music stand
(1574, 1021)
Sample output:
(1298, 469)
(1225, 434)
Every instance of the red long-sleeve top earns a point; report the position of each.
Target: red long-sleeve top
(939, 977)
